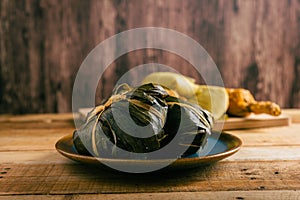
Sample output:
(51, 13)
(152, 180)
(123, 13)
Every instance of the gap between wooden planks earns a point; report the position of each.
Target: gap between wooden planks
(80, 179)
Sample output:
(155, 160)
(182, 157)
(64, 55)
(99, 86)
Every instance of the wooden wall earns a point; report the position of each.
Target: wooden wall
(255, 44)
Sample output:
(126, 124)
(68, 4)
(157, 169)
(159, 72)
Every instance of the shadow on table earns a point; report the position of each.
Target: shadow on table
(162, 178)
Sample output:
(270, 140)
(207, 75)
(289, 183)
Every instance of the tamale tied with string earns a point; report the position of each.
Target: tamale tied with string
(142, 120)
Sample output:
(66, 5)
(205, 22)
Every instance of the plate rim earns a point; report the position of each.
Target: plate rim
(193, 160)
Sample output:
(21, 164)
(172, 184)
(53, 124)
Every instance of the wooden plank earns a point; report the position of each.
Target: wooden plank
(36, 125)
(45, 138)
(277, 136)
(49, 117)
(245, 154)
(266, 153)
(254, 121)
(31, 139)
(23, 140)
(33, 157)
(80, 179)
(293, 113)
(224, 195)
(36, 121)
(33, 136)
(36, 142)
(35, 133)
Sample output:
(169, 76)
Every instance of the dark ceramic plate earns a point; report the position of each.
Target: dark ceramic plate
(220, 146)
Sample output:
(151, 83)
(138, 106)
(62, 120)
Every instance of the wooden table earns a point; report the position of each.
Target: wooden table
(266, 167)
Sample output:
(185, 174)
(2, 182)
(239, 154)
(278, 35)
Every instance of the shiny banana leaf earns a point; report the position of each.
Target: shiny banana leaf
(189, 122)
(142, 120)
(118, 121)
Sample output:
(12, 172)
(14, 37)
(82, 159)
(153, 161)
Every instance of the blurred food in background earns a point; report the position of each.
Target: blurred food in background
(238, 102)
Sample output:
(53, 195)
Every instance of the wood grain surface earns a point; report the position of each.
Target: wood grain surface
(266, 167)
(255, 45)
(78, 179)
(258, 195)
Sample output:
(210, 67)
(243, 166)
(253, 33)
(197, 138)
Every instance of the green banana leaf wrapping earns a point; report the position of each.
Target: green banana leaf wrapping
(117, 122)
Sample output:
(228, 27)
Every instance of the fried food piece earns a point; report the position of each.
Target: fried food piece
(242, 104)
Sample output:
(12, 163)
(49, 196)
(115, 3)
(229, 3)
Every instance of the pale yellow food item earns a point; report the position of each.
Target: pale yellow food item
(183, 85)
(212, 98)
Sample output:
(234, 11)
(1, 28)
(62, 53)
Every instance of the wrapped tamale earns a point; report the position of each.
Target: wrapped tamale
(144, 105)
(192, 123)
(142, 120)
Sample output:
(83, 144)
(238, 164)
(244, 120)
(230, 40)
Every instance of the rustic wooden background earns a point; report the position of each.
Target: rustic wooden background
(255, 44)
